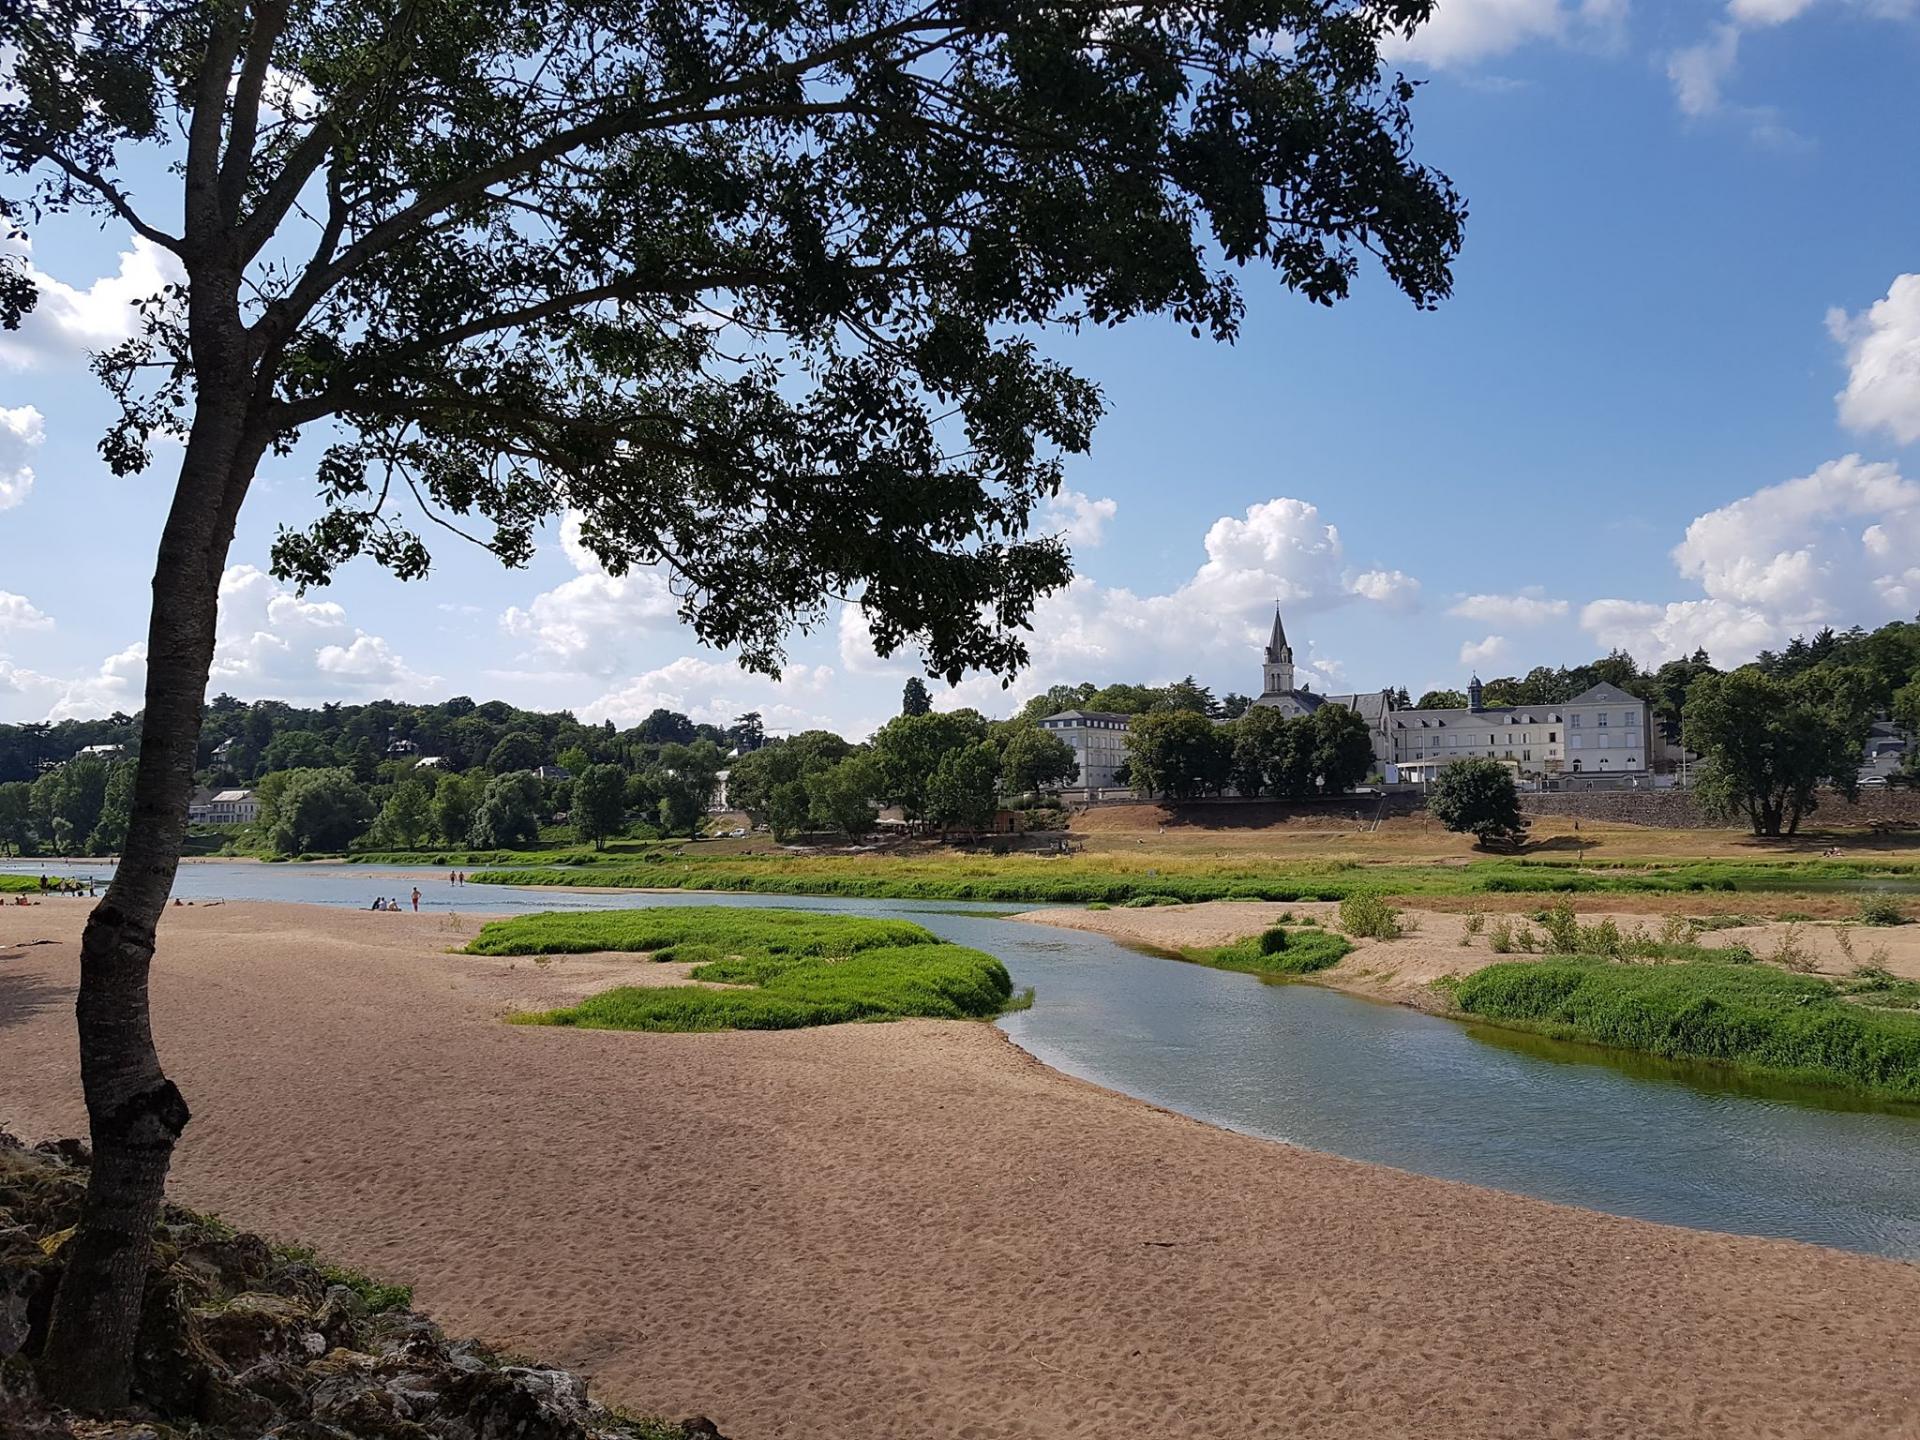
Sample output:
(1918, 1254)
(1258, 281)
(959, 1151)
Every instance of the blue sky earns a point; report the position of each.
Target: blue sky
(1674, 401)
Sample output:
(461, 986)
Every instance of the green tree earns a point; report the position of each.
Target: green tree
(1445, 700)
(314, 810)
(1478, 798)
(683, 804)
(1179, 754)
(1032, 759)
(1233, 705)
(910, 747)
(1342, 749)
(488, 245)
(517, 750)
(599, 803)
(960, 792)
(1187, 694)
(1906, 713)
(841, 796)
(16, 821)
(109, 831)
(407, 815)
(914, 699)
(298, 750)
(1767, 744)
(509, 812)
(575, 760)
(455, 798)
(789, 809)
(1262, 748)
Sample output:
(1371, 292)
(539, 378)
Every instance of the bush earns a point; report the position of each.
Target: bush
(1142, 902)
(1098, 905)
(1370, 916)
(1500, 938)
(1881, 910)
(1301, 952)
(1757, 1017)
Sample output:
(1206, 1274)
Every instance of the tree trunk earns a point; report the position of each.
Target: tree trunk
(134, 1112)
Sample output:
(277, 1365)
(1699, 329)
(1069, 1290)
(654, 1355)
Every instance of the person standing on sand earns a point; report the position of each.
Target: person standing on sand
(416, 899)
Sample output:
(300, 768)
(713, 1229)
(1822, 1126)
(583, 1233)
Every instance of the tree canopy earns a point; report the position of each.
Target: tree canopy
(1768, 742)
(1477, 797)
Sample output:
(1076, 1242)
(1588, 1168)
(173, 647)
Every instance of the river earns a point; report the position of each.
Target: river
(1687, 1145)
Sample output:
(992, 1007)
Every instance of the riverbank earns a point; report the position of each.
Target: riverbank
(913, 1228)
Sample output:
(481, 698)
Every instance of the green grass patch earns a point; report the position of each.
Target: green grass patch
(1277, 951)
(796, 968)
(19, 884)
(1796, 1026)
(1116, 880)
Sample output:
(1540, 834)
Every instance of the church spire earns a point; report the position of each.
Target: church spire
(1277, 647)
(1277, 674)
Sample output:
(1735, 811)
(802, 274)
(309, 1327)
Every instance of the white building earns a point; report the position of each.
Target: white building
(1601, 737)
(225, 807)
(1278, 692)
(1099, 742)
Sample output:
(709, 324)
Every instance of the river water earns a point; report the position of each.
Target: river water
(1688, 1145)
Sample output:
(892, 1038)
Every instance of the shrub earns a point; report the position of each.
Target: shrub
(1500, 938)
(1273, 941)
(1098, 905)
(1790, 950)
(1142, 902)
(1476, 922)
(1881, 910)
(1301, 952)
(1370, 916)
(1562, 929)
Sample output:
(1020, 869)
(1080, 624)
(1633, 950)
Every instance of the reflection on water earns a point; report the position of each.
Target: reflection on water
(1686, 1144)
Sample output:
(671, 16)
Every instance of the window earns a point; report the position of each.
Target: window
(1553, 737)
(1573, 743)
(1573, 722)
(1601, 719)
(1626, 717)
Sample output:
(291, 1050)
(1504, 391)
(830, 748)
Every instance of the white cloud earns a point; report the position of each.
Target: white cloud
(68, 321)
(1077, 518)
(1528, 608)
(1393, 588)
(272, 643)
(585, 624)
(714, 692)
(1698, 72)
(118, 685)
(1883, 363)
(22, 429)
(1465, 32)
(1833, 547)
(1483, 652)
(19, 613)
(1279, 550)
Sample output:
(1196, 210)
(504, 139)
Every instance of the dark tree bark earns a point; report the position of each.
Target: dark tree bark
(135, 1112)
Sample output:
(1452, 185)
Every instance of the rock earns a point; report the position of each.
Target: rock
(228, 1265)
(26, 1287)
(172, 1366)
(70, 1152)
(254, 1326)
(699, 1427)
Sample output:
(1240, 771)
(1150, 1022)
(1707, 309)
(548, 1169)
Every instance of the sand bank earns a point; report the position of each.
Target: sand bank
(1404, 970)
(913, 1230)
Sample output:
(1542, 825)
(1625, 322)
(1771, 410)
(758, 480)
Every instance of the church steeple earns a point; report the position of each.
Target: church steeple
(1277, 675)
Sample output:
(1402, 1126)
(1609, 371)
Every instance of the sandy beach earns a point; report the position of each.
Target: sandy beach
(913, 1229)
(1438, 943)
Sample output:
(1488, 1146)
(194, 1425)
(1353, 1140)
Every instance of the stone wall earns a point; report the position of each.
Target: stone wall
(1677, 809)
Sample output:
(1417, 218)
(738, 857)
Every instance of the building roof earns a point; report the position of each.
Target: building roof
(1372, 706)
(1086, 715)
(230, 797)
(1605, 694)
(1277, 642)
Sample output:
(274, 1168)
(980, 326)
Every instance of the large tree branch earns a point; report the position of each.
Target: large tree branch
(269, 18)
(115, 199)
(205, 218)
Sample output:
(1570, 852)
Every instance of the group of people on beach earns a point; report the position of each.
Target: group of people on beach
(457, 877)
(65, 885)
(387, 903)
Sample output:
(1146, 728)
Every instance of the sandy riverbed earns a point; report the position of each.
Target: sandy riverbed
(1404, 970)
(914, 1230)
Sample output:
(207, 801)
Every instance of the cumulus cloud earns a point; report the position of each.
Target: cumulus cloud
(714, 692)
(69, 321)
(272, 642)
(22, 429)
(586, 624)
(1393, 588)
(19, 613)
(1483, 652)
(1465, 32)
(1883, 363)
(1833, 547)
(1077, 518)
(117, 686)
(1699, 72)
(1281, 550)
(1527, 608)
